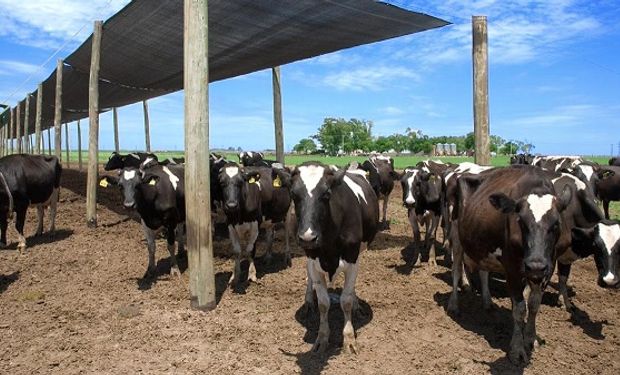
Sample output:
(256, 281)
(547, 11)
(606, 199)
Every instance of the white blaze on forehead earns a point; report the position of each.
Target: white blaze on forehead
(311, 175)
(173, 179)
(610, 234)
(128, 175)
(587, 170)
(231, 171)
(540, 205)
(355, 188)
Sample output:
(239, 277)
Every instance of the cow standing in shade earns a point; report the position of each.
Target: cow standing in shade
(381, 176)
(158, 194)
(337, 217)
(25, 180)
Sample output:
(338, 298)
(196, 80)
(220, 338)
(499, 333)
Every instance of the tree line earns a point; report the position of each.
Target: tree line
(337, 136)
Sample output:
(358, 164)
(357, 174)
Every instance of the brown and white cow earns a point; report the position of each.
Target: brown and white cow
(510, 222)
(337, 217)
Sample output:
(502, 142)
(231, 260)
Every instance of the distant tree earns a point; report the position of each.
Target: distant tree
(382, 144)
(470, 141)
(337, 134)
(398, 142)
(510, 147)
(305, 146)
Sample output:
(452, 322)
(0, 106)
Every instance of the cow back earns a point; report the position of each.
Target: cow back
(31, 178)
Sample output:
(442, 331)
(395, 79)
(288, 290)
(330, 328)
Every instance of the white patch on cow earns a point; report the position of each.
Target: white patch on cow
(498, 252)
(173, 179)
(128, 175)
(315, 265)
(540, 205)
(136, 156)
(147, 161)
(333, 168)
(311, 175)
(425, 169)
(588, 171)
(355, 188)
(410, 199)
(448, 176)
(536, 160)
(250, 153)
(609, 278)
(359, 172)
(610, 234)
(580, 184)
(231, 171)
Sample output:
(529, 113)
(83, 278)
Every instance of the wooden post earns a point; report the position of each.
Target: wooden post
(115, 118)
(18, 128)
(93, 133)
(67, 143)
(37, 120)
(147, 126)
(26, 125)
(481, 90)
(11, 129)
(277, 114)
(49, 142)
(58, 108)
(30, 146)
(197, 192)
(79, 136)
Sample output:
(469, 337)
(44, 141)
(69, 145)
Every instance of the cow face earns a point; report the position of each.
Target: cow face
(233, 181)
(429, 186)
(602, 240)
(538, 218)
(128, 179)
(311, 191)
(116, 161)
(408, 183)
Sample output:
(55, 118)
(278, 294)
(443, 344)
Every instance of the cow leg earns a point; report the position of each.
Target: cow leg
(429, 240)
(386, 224)
(288, 229)
(486, 294)
(606, 208)
(251, 251)
(533, 304)
(347, 302)
(458, 272)
(180, 234)
(309, 298)
(236, 245)
(150, 245)
(40, 213)
(53, 210)
(20, 220)
(563, 273)
(270, 233)
(413, 220)
(4, 223)
(174, 267)
(517, 352)
(319, 284)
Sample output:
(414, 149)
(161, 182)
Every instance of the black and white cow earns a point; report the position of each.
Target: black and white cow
(556, 162)
(523, 159)
(158, 194)
(139, 160)
(607, 186)
(615, 161)
(515, 214)
(381, 175)
(250, 200)
(254, 159)
(25, 180)
(173, 161)
(337, 217)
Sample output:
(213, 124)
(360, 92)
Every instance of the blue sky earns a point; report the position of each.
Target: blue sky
(554, 77)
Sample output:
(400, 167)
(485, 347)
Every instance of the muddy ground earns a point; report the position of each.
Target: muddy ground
(78, 304)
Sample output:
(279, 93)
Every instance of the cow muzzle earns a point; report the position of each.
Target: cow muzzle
(536, 270)
(129, 205)
(611, 279)
(308, 238)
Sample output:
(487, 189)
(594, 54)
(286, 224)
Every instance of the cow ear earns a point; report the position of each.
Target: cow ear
(151, 180)
(251, 177)
(503, 203)
(564, 198)
(106, 181)
(337, 178)
(605, 173)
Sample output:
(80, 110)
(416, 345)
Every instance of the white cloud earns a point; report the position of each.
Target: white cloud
(10, 67)
(368, 78)
(392, 111)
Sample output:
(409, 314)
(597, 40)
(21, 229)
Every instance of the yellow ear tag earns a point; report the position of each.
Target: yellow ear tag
(367, 174)
(252, 180)
(103, 183)
(277, 182)
(152, 182)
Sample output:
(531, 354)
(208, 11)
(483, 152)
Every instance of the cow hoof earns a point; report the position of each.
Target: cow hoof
(432, 263)
(149, 274)
(453, 306)
(21, 248)
(518, 356)
(289, 262)
(350, 345)
(320, 346)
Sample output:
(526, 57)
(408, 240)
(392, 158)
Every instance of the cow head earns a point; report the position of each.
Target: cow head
(408, 183)
(115, 161)
(248, 158)
(311, 189)
(234, 183)
(602, 240)
(429, 186)
(128, 179)
(538, 218)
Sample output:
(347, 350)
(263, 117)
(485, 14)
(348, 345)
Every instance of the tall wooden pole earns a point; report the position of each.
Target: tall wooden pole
(37, 120)
(58, 108)
(93, 133)
(79, 136)
(27, 125)
(277, 114)
(12, 130)
(49, 142)
(197, 192)
(481, 90)
(30, 146)
(147, 126)
(18, 128)
(67, 143)
(115, 120)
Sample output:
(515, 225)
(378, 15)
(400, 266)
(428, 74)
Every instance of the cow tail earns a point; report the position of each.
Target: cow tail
(8, 191)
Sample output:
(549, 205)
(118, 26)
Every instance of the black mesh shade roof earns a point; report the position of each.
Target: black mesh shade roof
(142, 45)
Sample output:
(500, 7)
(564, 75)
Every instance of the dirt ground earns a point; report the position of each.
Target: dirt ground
(78, 304)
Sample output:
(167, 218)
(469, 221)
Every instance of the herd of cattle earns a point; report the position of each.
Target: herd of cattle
(520, 221)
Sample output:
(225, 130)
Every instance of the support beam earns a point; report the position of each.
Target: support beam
(79, 137)
(12, 130)
(49, 142)
(93, 133)
(67, 162)
(30, 146)
(58, 108)
(147, 126)
(277, 114)
(26, 123)
(197, 192)
(37, 120)
(481, 90)
(115, 120)
(18, 128)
